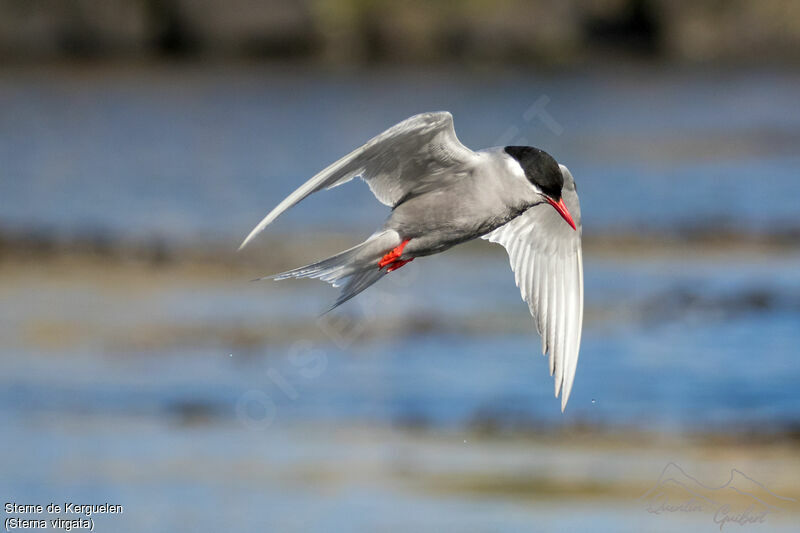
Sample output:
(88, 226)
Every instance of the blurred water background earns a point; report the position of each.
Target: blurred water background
(141, 367)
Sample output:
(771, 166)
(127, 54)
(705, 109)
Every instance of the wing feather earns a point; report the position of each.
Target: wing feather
(407, 156)
(545, 255)
(552, 318)
(560, 331)
(541, 284)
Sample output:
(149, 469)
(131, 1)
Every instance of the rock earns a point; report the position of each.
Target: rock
(731, 31)
(414, 31)
(248, 27)
(45, 28)
(508, 30)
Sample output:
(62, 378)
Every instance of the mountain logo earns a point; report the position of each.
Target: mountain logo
(741, 500)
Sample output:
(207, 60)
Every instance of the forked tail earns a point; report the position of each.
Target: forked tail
(354, 270)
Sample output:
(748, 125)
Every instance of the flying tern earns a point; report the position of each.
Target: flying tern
(442, 194)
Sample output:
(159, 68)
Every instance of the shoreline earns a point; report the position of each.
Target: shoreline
(20, 246)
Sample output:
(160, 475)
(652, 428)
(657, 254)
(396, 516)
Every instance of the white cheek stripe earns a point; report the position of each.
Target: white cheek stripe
(516, 170)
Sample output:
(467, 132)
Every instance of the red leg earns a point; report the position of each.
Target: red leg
(393, 256)
(398, 264)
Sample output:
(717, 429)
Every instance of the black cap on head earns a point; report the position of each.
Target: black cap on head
(540, 169)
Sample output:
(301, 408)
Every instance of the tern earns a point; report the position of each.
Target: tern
(442, 194)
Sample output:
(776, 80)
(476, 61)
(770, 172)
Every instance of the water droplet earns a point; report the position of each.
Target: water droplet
(594, 401)
(465, 441)
(230, 355)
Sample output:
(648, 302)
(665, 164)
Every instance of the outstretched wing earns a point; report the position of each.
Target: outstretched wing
(546, 258)
(394, 163)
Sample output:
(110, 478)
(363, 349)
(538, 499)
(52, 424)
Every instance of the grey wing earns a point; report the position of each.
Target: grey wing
(406, 156)
(545, 255)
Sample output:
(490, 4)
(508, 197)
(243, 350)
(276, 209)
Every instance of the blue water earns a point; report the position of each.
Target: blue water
(140, 401)
(668, 345)
(199, 155)
(194, 153)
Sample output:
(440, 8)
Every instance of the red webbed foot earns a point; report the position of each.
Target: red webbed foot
(392, 259)
(398, 264)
